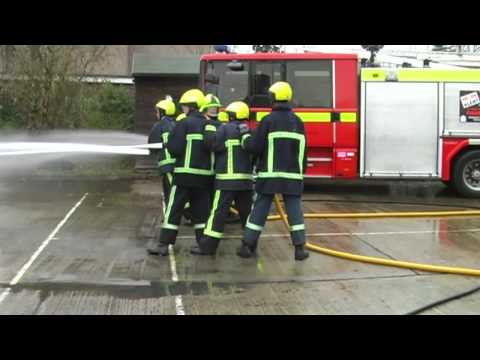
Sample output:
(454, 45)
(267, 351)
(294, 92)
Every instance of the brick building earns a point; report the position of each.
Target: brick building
(156, 77)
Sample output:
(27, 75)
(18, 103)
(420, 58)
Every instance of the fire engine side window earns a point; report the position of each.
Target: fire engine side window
(212, 68)
(233, 84)
(311, 81)
(264, 74)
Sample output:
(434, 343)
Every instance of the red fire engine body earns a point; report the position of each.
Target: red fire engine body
(365, 123)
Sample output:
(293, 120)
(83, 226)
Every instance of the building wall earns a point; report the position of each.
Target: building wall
(5, 53)
(116, 63)
(118, 60)
(149, 90)
(173, 50)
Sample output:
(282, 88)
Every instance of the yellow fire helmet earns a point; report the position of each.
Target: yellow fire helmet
(211, 101)
(282, 91)
(181, 117)
(193, 96)
(223, 116)
(168, 106)
(239, 109)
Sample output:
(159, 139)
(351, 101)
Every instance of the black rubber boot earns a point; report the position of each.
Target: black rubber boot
(158, 249)
(197, 250)
(188, 222)
(205, 246)
(301, 253)
(247, 250)
(244, 251)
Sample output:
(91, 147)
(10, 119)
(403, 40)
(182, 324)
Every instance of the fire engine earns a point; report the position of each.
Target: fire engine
(376, 123)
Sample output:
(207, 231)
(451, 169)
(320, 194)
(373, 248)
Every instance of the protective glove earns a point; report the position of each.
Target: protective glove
(243, 129)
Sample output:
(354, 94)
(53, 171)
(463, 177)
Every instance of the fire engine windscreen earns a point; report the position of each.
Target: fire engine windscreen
(311, 81)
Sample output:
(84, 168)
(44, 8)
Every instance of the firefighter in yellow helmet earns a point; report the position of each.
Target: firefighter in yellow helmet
(280, 144)
(165, 112)
(186, 214)
(223, 116)
(193, 173)
(211, 109)
(233, 176)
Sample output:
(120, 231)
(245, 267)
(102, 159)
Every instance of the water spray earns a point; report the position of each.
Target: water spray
(21, 152)
(31, 148)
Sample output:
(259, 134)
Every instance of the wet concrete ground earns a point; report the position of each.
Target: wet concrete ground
(96, 262)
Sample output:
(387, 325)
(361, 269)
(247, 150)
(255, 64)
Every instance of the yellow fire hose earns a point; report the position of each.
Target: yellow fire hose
(377, 260)
(385, 215)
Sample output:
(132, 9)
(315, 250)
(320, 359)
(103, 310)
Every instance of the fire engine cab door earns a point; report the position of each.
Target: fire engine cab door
(400, 128)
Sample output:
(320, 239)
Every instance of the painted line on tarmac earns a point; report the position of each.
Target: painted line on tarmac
(179, 309)
(353, 233)
(50, 237)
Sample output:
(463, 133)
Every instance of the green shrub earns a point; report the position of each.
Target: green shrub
(104, 106)
(108, 107)
(10, 117)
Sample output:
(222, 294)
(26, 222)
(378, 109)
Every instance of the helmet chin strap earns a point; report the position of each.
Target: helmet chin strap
(191, 108)
(271, 98)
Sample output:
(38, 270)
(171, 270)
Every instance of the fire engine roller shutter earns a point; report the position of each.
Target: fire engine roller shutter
(458, 101)
(400, 129)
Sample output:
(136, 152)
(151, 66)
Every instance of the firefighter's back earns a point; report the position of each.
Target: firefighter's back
(280, 144)
(281, 164)
(165, 160)
(194, 162)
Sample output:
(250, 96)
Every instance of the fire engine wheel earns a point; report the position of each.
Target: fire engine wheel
(466, 174)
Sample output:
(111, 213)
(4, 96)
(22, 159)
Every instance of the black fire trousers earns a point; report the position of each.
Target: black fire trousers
(222, 201)
(199, 200)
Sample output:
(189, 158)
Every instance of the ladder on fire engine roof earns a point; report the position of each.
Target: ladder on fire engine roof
(467, 57)
(438, 59)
